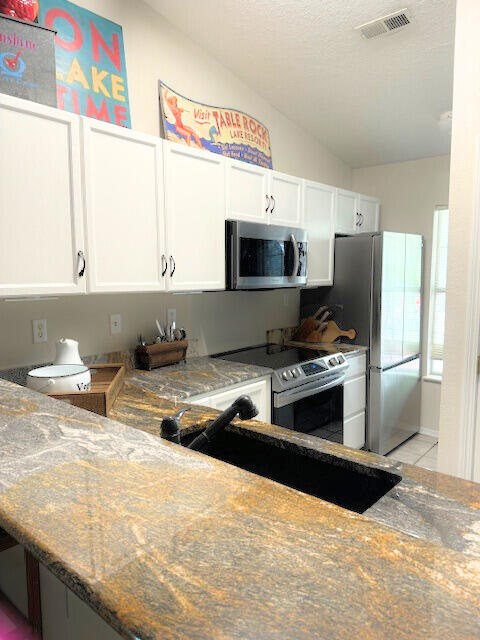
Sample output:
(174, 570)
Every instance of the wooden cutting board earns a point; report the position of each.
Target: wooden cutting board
(331, 333)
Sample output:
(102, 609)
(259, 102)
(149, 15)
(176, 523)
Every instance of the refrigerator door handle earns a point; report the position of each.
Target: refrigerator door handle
(395, 364)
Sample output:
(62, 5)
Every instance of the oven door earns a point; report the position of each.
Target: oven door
(265, 256)
(316, 409)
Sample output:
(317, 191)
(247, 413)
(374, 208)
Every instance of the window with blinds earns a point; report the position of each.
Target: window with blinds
(438, 283)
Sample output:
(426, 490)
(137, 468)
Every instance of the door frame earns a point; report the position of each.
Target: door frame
(469, 453)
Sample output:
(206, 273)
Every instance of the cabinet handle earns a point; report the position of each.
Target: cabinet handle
(273, 205)
(164, 268)
(357, 224)
(82, 262)
(361, 219)
(173, 266)
(268, 203)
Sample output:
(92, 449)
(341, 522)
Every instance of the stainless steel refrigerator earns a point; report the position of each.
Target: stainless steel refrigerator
(378, 291)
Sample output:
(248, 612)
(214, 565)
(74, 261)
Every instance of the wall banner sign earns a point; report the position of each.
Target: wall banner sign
(228, 132)
(90, 61)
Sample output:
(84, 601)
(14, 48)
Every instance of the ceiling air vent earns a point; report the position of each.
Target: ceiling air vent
(387, 24)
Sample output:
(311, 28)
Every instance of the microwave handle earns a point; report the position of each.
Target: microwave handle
(296, 255)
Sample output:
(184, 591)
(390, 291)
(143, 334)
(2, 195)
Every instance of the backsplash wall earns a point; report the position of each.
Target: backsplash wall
(215, 321)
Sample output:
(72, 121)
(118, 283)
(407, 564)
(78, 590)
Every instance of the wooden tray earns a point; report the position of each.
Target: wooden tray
(152, 356)
(107, 382)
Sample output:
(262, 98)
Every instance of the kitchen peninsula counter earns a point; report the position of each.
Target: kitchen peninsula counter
(167, 543)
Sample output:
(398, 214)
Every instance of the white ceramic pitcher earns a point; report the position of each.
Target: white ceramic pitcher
(66, 352)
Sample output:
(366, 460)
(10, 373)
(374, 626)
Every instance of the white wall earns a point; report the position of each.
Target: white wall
(462, 243)
(156, 50)
(409, 193)
(215, 321)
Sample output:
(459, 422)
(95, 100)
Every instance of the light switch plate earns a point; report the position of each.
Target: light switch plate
(39, 331)
(115, 323)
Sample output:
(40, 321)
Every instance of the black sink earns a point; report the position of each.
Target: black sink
(345, 483)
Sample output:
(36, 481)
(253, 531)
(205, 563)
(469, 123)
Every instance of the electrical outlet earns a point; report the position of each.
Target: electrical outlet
(39, 331)
(115, 323)
(171, 316)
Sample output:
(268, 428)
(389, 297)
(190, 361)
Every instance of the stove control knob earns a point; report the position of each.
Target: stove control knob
(295, 373)
(332, 362)
(285, 375)
(340, 359)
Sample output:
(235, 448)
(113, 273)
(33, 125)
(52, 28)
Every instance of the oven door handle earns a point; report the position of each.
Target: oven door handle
(288, 397)
(296, 255)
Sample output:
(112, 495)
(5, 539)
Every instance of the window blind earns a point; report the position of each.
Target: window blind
(438, 290)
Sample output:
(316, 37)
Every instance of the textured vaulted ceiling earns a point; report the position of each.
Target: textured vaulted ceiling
(369, 101)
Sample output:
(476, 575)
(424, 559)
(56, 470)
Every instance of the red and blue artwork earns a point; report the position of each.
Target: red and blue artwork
(90, 62)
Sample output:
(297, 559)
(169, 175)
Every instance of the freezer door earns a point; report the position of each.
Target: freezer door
(388, 299)
(394, 405)
(412, 313)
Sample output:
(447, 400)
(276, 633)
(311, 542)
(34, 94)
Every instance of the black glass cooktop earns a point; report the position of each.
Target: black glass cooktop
(274, 356)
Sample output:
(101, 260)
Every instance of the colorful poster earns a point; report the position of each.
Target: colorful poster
(226, 131)
(90, 60)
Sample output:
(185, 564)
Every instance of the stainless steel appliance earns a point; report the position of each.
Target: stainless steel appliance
(378, 291)
(307, 387)
(263, 256)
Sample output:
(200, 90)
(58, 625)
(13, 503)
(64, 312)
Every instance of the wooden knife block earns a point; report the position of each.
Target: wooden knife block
(152, 356)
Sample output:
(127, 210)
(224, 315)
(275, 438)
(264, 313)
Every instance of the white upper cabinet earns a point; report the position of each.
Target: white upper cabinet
(286, 195)
(346, 217)
(195, 215)
(369, 214)
(356, 213)
(153, 211)
(260, 195)
(319, 221)
(247, 192)
(124, 208)
(41, 218)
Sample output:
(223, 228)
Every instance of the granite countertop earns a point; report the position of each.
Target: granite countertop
(168, 543)
(196, 376)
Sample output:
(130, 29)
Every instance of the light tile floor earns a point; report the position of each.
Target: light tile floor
(419, 450)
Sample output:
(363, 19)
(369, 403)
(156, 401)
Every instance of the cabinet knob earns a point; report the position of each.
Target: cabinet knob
(82, 264)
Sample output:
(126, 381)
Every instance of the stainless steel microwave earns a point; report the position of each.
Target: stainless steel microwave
(261, 256)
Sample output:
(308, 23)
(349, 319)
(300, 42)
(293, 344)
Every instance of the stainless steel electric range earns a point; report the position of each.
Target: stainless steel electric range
(307, 387)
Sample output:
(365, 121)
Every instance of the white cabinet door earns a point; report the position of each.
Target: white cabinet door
(84, 622)
(258, 391)
(247, 197)
(195, 215)
(125, 208)
(354, 396)
(286, 194)
(346, 218)
(357, 366)
(354, 431)
(319, 212)
(54, 595)
(41, 216)
(369, 209)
